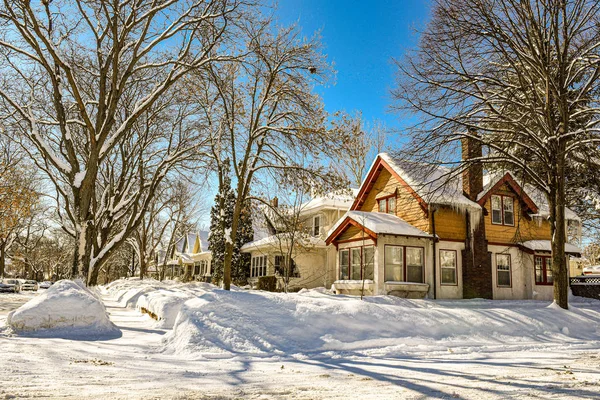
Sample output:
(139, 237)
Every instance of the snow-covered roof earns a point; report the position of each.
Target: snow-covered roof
(334, 200)
(281, 239)
(433, 183)
(546, 245)
(381, 223)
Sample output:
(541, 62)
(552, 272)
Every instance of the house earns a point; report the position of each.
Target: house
(413, 232)
(313, 262)
(190, 258)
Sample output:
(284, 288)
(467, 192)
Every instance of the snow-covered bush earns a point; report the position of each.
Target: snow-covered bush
(66, 308)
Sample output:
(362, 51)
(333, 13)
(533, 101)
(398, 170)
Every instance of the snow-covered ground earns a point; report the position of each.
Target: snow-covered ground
(312, 345)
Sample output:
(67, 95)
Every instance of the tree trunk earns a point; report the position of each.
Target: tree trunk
(229, 244)
(142, 267)
(2, 259)
(559, 261)
(93, 277)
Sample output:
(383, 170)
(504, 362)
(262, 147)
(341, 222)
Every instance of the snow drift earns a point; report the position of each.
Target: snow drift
(66, 308)
(223, 324)
(162, 299)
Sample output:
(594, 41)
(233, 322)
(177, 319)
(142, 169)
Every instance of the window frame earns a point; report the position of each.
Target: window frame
(340, 264)
(509, 270)
(361, 263)
(502, 216)
(314, 226)
(404, 265)
(386, 201)
(256, 269)
(455, 267)
(544, 270)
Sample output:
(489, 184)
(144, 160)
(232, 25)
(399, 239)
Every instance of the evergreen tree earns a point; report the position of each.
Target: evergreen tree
(221, 216)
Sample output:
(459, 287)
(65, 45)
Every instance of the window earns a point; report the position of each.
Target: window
(394, 263)
(503, 212)
(368, 262)
(280, 267)
(357, 263)
(448, 267)
(496, 209)
(317, 225)
(543, 271)
(387, 205)
(258, 266)
(414, 264)
(391, 205)
(355, 260)
(344, 264)
(503, 270)
(404, 264)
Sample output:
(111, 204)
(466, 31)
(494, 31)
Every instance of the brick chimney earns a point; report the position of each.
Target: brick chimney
(473, 173)
(275, 202)
(477, 266)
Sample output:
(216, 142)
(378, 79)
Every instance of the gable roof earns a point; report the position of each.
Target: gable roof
(427, 183)
(373, 224)
(509, 180)
(535, 200)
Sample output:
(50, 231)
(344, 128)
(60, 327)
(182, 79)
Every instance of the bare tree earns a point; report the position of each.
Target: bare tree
(367, 140)
(521, 77)
(19, 198)
(81, 79)
(267, 116)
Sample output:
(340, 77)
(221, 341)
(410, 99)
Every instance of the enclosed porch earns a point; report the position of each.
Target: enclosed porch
(379, 254)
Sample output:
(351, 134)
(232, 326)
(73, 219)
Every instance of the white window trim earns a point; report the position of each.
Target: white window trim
(455, 268)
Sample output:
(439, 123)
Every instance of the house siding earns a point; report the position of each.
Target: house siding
(407, 206)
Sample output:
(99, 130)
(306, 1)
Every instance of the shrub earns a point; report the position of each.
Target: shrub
(268, 283)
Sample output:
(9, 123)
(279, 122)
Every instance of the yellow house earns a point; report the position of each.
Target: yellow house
(190, 258)
(313, 262)
(416, 231)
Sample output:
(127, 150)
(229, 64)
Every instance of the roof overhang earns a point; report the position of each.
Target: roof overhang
(510, 181)
(378, 165)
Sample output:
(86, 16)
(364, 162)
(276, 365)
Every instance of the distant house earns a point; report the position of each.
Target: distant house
(313, 262)
(189, 258)
(413, 233)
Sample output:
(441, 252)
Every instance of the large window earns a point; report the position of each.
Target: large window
(543, 270)
(503, 270)
(387, 205)
(344, 264)
(317, 225)
(503, 212)
(258, 266)
(394, 263)
(357, 263)
(280, 265)
(448, 267)
(404, 264)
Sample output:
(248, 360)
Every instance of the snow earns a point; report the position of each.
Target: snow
(334, 200)
(79, 178)
(381, 223)
(66, 308)
(282, 239)
(546, 245)
(433, 183)
(228, 236)
(226, 324)
(379, 348)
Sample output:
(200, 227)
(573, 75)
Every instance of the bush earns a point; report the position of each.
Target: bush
(268, 283)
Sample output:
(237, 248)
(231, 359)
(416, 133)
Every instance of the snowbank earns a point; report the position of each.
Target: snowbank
(162, 299)
(66, 308)
(224, 324)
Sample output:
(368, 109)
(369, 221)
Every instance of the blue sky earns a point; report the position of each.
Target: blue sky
(360, 37)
